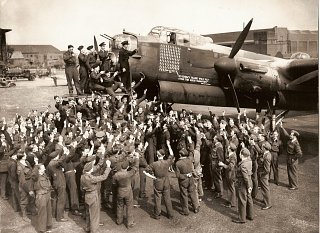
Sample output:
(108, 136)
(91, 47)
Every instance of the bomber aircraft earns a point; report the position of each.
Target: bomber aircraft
(182, 67)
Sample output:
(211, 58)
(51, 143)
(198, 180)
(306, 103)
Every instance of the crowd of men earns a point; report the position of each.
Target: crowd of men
(92, 150)
(95, 69)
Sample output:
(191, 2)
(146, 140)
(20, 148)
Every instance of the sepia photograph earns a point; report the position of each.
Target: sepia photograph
(159, 116)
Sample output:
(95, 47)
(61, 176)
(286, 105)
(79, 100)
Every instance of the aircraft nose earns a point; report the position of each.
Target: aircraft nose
(225, 65)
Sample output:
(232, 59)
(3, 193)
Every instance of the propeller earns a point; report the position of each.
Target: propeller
(234, 95)
(303, 78)
(226, 67)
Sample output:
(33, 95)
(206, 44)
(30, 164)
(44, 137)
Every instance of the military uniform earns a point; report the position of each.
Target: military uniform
(254, 177)
(42, 188)
(89, 185)
(294, 152)
(122, 179)
(216, 155)
(142, 167)
(72, 72)
(244, 182)
(161, 185)
(55, 170)
(230, 177)
(83, 72)
(264, 162)
(184, 172)
(25, 173)
(124, 63)
(275, 151)
(14, 183)
(105, 60)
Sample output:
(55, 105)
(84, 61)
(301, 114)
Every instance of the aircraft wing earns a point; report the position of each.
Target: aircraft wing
(300, 72)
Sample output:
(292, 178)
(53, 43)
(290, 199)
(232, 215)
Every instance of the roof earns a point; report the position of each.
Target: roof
(36, 49)
(17, 55)
(2, 30)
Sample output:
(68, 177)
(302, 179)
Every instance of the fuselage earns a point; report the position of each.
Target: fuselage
(179, 68)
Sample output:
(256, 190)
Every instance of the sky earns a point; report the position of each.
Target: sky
(63, 22)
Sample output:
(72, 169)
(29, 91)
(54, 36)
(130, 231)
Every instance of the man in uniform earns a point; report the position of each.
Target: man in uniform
(122, 179)
(104, 56)
(244, 187)
(92, 61)
(14, 181)
(42, 188)
(55, 170)
(217, 155)
(184, 172)
(89, 183)
(24, 171)
(294, 152)
(264, 165)
(275, 151)
(159, 172)
(124, 55)
(70, 59)
(83, 69)
(229, 165)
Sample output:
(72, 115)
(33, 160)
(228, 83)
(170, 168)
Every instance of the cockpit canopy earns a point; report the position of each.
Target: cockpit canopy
(179, 37)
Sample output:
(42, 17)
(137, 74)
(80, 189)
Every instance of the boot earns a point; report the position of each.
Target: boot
(24, 215)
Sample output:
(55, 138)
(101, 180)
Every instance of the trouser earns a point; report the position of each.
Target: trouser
(97, 87)
(198, 184)
(60, 198)
(25, 201)
(73, 190)
(187, 187)
(111, 91)
(292, 172)
(254, 177)
(274, 166)
(44, 217)
(245, 203)
(162, 187)
(231, 191)
(216, 177)
(150, 153)
(107, 194)
(3, 183)
(15, 195)
(72, 74)
(125, 79)
(84, 79)
(92, 211)
(142, 176)
(114, 197)
(207, 175)
(265, 189)
(128, 201)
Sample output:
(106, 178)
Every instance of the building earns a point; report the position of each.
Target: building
(276, 41)
(17, 59)
(3, 45)
(40, 55)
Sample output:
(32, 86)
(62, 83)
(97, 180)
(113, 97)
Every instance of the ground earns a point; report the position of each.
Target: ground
(292, 211)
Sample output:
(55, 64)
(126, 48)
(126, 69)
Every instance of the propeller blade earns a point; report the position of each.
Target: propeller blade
(95, 43)
(303, 78)
(237, 46)
(234, 95)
